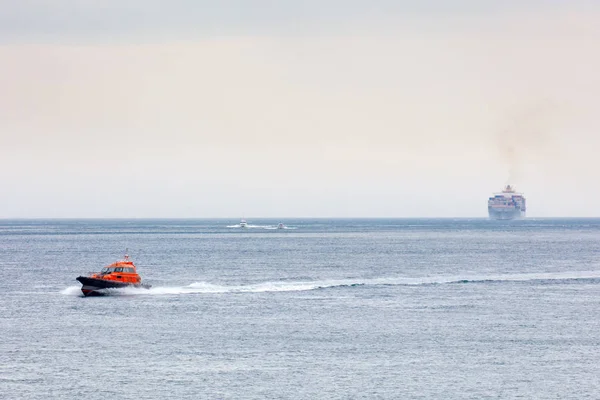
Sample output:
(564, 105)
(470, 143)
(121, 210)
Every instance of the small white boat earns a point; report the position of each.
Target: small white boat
(281, 226)
(243, 223)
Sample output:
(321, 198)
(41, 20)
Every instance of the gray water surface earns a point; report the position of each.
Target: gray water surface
(328, 309)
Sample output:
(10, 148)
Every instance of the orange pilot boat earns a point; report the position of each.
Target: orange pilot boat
(116, 275)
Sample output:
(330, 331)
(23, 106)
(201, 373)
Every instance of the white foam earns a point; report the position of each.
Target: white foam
(295, 286)
(72, 291)
(205, 287)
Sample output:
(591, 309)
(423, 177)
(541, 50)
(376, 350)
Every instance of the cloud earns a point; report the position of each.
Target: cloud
(398, 119)
(85, 20)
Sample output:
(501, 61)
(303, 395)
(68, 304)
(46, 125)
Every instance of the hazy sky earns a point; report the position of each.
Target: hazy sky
(146, 108)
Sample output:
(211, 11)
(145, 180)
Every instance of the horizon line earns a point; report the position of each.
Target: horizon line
(281, 218)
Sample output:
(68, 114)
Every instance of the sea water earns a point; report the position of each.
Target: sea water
(325, 309)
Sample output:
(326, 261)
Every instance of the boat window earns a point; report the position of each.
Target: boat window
(119, 269)
(129, 269)
(104, 270)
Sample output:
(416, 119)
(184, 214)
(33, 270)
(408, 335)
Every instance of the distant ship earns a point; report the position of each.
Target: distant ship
(243, 223)
(507, 205)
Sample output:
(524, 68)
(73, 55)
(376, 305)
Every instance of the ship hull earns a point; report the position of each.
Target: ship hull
(505, 214)
(96, 287)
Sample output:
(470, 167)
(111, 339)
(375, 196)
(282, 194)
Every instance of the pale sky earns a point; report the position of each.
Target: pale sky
(335, 108)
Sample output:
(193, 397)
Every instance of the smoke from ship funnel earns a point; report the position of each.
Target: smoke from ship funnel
(513, 165)
(525, 138)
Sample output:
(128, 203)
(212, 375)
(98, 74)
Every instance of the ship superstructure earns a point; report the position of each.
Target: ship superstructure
(507, 204)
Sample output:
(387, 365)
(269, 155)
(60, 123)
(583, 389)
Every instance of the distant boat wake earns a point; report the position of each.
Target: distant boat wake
(268, 227)
(298, 286)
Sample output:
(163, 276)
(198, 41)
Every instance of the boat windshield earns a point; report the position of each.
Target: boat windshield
(109, 270)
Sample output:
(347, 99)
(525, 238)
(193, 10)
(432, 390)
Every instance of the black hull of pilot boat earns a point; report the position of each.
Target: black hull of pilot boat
(94, 287)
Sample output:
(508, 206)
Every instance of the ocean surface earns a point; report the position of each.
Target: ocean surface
(325, 309)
